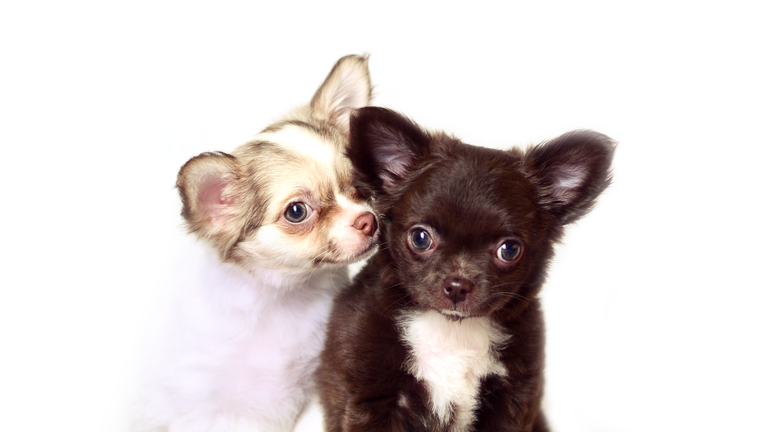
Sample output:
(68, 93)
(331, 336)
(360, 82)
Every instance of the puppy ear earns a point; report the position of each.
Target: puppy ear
(570, 171)
(210, 205)
(384, 146)
(346, 88)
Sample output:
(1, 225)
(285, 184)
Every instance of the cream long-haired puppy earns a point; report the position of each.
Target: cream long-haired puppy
(278, 222)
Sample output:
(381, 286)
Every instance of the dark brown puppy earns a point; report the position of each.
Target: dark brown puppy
(442, 330)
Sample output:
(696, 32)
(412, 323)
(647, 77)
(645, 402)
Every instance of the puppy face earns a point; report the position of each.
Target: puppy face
(463, 234)
(470, 230)
(282, 201)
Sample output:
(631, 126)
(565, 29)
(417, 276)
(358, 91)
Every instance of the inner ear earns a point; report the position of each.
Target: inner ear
(207, 186)
(212, 199)
(567, 182)
(346, 88)
(384, 147)
(570, 172)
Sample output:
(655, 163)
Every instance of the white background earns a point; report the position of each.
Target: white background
(656, 302)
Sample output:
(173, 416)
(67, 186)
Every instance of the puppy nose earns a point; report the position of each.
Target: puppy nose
(457, 289)
(365, 223)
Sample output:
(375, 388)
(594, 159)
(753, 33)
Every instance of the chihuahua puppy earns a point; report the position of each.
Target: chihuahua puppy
(279, 222)
(443, 330)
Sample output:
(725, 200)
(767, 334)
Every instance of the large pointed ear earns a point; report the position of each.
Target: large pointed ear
(210, 204)
(570, 171)
(384, 147)
(346, 88)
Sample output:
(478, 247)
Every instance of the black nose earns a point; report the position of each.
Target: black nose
(366, 223)
(457, 289)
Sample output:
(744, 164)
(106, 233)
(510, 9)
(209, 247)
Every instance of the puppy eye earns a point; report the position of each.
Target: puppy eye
(296, 212)
(420, 240)
(509, 251)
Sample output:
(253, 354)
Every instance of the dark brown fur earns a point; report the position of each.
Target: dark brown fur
(471, 198)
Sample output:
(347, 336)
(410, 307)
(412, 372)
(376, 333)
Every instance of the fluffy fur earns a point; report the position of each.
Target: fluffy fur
(442, 330)
(279, 222)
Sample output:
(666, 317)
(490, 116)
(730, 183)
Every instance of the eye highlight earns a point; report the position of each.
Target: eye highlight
(509, 251)
(420, 239)
(296, 212)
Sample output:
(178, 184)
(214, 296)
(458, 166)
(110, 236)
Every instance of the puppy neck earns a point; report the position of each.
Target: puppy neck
(235, 287)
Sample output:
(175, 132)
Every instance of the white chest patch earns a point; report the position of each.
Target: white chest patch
(451, 358)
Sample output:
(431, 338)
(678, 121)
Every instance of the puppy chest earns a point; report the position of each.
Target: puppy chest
(270, 360)
(452, 357)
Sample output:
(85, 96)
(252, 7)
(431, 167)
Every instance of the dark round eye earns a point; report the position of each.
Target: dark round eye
(420, 240)
(508, 251)
(296, 212)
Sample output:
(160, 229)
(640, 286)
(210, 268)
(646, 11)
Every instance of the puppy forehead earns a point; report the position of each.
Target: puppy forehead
(466, 196)
(303, 139)
(304, 178)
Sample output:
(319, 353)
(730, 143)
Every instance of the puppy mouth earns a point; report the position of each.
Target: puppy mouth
(461, 310)
(465, 308)
(455, 315)
(335, 259)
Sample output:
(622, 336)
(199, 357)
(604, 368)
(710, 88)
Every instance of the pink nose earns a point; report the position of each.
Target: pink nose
(365, 223)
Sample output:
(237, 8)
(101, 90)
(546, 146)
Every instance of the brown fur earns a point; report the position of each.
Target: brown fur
(471, 200)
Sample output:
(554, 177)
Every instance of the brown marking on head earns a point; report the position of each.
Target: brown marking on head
(228, 199)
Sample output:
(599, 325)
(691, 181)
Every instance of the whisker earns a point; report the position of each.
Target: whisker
(512, 295)
(507, 294)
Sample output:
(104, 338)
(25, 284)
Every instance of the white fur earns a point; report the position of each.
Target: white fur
(452, 357)
(300, 139)
(239, 351)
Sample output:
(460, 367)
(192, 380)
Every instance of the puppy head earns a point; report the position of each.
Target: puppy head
(283, 201)
(470, 230)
